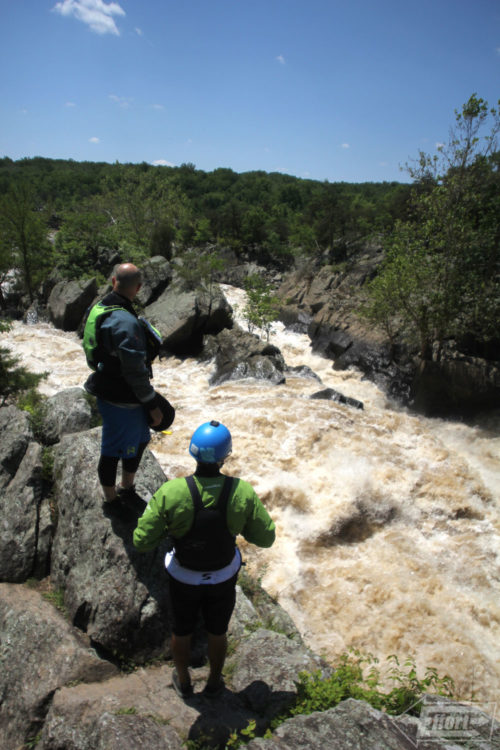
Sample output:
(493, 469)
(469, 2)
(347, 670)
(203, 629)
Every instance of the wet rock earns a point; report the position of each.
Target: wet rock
(329, 394)
(68, 301)
(39, 652)
(26, 525)
(66, 412)
(303, 371)
(112, 592)
(183, 317)
(238, 355)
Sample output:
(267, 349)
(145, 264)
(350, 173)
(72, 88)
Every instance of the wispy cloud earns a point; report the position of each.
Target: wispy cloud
(139, 31)
(70, 104)
(346, 145)
(122, 101)
(97, 14)
(158, 106)
(94, 139)
(162, 163)
(281, 59)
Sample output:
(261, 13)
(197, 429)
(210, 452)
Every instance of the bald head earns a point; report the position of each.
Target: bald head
(127, 280)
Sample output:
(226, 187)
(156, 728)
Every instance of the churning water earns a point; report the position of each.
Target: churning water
(388, 524)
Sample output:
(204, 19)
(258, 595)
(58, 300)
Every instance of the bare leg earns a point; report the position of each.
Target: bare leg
(109, 492)
(217, 649)
(181, 652)
(127, 479)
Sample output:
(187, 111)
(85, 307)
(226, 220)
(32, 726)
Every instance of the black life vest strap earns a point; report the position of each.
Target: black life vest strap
(221, 500)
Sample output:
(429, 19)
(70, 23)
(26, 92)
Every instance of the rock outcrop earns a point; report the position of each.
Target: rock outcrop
(184, 316)
(323, 303)
(239, 355)
(68, 302)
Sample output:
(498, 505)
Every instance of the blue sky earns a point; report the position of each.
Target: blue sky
(325, 89)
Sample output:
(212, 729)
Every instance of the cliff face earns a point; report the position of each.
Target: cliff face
(85, 625)
(323, 304)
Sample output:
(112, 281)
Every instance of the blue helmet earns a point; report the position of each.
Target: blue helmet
(211, 443)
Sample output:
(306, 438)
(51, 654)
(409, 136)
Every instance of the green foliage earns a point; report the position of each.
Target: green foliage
(441, 275)
(262, 305)
(140, 210)
(33, 402)
(358, 676)
(200, 270)
(237, 739)
(23, 234)
(48, 464)
(56, 598)
(32, 742)
(130, 711)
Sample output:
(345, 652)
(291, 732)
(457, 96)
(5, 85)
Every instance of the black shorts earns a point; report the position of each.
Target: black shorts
(214, 601)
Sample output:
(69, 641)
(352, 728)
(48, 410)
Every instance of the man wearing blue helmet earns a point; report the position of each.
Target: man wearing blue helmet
(203, 514)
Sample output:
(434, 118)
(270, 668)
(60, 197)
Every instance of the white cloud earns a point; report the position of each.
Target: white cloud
(70, 104)
(281, 59)
(158, 106)
(439, 145)
(97, 14)
(122, 101)
(346, 145)
(94, 139)
(162, 163)
(139, 32)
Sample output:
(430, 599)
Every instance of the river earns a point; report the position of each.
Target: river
(388, 524)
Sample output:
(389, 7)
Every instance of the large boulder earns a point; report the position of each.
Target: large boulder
(68, 302)
(66, 412)
(15, 436)
(112, 592)
(238, 354)
(26, 525)
(156, 276)
(352, 725)
(183, 317)
(266, 666)
(39, 652)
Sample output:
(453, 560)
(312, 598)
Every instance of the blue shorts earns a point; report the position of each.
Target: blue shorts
(123, 430)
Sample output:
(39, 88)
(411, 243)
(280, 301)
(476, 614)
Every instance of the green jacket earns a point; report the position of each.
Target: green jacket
(170, 512)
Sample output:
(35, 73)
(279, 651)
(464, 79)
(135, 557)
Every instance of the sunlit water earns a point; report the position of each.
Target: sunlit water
(387, 523)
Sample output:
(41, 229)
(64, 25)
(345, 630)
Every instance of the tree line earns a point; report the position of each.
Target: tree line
(146, 210)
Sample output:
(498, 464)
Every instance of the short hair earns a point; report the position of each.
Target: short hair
(127, 275)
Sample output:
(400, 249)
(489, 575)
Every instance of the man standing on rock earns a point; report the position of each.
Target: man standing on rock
(120, 348)
(202, 515)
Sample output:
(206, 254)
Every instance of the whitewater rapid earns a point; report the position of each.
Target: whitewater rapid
(388, 524)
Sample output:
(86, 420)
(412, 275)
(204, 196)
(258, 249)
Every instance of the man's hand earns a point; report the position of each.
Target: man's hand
(156, 415)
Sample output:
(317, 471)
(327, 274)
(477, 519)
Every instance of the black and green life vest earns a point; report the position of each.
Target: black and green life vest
(208, 545)
(91, 345)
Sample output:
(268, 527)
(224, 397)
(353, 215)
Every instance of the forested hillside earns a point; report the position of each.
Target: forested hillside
(144, 209)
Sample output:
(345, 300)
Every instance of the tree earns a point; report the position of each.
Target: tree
(261, 308)
(441, 275)
(24, 234)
